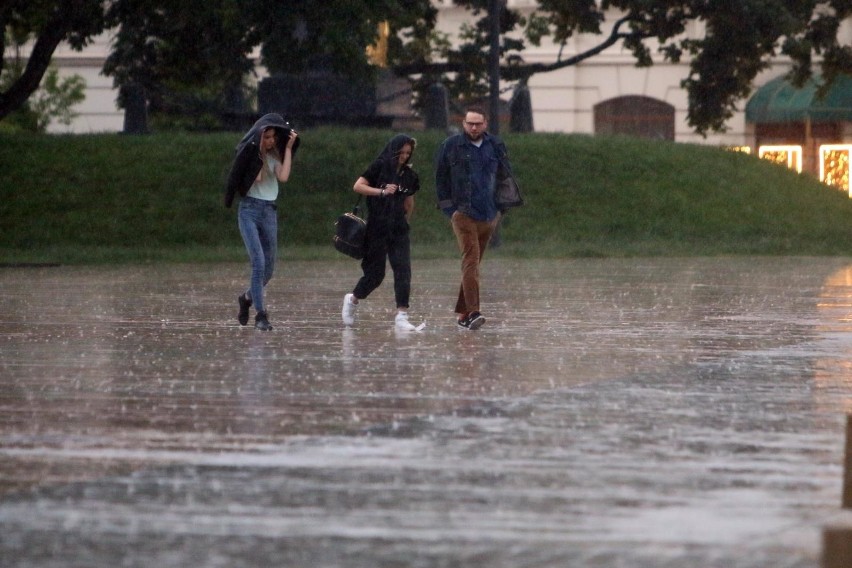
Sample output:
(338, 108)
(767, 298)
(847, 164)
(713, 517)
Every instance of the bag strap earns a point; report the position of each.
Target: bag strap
(357, 208)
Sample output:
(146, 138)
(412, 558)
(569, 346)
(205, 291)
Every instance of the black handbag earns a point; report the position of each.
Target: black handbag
(350, 233)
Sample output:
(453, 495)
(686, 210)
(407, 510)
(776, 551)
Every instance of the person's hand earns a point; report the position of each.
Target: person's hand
(391, 188)
(291, 139)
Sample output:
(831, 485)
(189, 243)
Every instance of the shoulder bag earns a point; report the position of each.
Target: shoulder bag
(350, 233)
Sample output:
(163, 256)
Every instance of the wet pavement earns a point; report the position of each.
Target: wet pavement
(611, 413)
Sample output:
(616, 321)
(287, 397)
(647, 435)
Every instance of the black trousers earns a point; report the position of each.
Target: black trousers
(383, 245)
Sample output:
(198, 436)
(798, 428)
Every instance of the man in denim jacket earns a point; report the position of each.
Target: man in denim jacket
(475, 186)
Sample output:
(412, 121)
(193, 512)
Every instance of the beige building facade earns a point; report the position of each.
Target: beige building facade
(99, 111)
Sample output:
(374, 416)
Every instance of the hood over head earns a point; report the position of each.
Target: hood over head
(391, 151)
(269, 120)
(390, 155)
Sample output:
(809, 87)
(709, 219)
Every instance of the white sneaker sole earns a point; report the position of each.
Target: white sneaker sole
(408, 326)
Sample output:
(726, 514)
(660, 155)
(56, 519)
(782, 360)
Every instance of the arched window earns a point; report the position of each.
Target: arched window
(635, 115)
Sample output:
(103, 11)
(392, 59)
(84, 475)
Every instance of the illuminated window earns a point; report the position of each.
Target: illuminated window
(378, 52)
(834, 165)
(743, 149)
(789, 156)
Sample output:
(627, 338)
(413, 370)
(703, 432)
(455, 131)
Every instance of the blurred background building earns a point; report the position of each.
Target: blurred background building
(606, 94)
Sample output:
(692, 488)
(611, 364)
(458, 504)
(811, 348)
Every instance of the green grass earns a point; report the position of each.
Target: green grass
(115, 198)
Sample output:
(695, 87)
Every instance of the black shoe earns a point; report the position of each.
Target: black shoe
(261, 322)
(245, 304)
(474, 320)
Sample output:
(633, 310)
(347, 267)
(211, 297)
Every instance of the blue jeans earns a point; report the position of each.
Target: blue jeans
(258, 220)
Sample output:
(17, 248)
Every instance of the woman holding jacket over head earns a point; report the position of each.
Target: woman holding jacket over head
(263, 159)
(389, 184)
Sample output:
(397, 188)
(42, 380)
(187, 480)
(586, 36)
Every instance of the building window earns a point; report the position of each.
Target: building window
(787, 155)
(834, 166)
(635, 115)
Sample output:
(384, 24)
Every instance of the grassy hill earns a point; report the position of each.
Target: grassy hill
(112, 198)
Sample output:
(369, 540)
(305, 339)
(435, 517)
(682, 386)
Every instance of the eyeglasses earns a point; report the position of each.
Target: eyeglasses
(474, 124)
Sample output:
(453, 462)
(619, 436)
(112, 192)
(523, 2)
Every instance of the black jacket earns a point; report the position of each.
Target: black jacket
(389, 211)
(247, 160)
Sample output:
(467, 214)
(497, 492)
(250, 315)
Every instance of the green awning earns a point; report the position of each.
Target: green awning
(779, 101)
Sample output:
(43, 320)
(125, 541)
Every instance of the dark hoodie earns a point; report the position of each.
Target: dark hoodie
(389, 211)
(247, 160)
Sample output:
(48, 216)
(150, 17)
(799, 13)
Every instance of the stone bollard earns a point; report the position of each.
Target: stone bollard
(837, 547)
(520, 108)
(135, 109)
(437, 107)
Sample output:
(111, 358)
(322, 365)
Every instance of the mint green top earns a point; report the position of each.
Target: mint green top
(267, 187)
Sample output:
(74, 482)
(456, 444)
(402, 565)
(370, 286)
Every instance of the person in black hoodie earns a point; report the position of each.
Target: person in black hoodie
(263, 160)
(389, 184)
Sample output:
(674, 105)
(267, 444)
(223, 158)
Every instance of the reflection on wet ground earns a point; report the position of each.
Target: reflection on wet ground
(676, 412)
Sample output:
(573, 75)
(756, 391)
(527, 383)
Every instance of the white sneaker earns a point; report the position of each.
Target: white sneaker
(402, 324)
(349, 308)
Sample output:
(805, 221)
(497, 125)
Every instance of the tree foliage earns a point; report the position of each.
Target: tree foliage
(739, 40)
(300, 35)
(53, 100)
(193, 58)
(190, 59)
(49, 23)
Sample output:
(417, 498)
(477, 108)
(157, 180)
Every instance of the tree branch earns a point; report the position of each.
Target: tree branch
(52, 34)
(525, 71)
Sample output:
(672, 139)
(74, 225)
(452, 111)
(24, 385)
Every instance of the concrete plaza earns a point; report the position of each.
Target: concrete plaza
(611, 413)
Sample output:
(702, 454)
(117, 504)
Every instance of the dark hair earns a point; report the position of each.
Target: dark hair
(477, 109)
